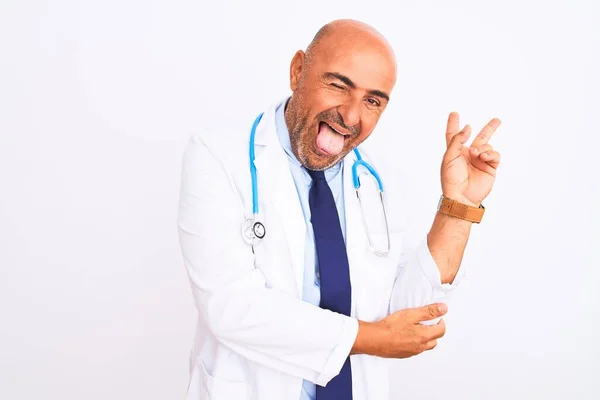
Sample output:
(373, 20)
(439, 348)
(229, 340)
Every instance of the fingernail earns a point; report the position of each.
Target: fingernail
(443, 308)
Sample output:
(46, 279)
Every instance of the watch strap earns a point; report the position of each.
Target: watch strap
(459, 210)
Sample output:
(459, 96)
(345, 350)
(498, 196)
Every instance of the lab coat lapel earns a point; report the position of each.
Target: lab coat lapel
(277, 188)
(355, 235)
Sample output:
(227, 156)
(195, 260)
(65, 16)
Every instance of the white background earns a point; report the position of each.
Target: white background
(97, 100)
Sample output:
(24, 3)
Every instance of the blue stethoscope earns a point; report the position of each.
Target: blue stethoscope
(252, 228)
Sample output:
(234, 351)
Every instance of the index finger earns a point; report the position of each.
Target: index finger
(436, 331)
(452, 127)
(486, 133)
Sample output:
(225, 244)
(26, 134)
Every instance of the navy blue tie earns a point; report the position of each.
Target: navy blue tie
(334, 272)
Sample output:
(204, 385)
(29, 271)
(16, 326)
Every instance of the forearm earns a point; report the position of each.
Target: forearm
(369, 339)
(447, 240)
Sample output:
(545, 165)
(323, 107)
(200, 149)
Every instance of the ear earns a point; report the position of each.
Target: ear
(296, 69)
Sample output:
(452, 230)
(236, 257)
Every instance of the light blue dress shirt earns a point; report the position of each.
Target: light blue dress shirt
(303, 181)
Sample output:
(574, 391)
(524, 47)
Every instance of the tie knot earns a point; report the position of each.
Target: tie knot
(316, 175)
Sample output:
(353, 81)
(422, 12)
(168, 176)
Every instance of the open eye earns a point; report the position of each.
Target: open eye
(373, 102)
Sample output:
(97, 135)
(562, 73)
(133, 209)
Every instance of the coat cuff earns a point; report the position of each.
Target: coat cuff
(432, 273)
(336, 360)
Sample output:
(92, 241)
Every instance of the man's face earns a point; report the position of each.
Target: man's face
(339, 94)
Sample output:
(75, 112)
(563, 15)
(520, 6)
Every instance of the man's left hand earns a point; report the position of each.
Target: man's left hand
(468, 172)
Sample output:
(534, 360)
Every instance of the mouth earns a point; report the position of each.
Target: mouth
(330, 140)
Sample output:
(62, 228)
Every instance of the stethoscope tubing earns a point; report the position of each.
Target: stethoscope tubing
(252, 226)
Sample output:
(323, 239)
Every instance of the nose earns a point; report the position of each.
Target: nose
(350, 113)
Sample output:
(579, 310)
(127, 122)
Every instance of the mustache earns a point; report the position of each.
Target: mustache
(335, 117)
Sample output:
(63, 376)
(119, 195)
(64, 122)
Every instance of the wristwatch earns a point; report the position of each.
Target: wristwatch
(459, 210)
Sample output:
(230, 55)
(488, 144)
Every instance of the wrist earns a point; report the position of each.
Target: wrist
(370, 338)
(461, 199)
(461, 208)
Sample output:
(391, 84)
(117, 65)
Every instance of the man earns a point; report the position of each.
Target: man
(309, 311)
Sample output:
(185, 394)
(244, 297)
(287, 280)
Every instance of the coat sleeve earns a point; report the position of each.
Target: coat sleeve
(264, 325)
(419, 283)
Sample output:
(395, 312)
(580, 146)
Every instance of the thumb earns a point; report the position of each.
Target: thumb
(456, 143)
(430, 312)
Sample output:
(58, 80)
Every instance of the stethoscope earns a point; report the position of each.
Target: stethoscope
(253, 229)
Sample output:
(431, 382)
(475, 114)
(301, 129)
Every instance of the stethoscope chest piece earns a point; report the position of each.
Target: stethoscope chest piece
(259, 230)
(253, 229)
(247, 230)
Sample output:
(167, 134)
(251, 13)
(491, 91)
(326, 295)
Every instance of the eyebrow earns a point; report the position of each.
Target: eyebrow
(349, 82)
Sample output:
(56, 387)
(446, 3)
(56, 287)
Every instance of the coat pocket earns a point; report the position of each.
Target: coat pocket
(204, 386)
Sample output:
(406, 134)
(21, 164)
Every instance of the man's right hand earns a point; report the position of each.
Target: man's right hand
(401, 334)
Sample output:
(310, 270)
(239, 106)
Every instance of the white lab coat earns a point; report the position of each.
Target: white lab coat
(256, 338)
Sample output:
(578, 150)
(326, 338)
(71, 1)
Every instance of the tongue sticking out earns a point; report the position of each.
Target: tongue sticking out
(329, 141)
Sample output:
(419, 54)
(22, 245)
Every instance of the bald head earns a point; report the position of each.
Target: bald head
(349, 32)
(341, 85)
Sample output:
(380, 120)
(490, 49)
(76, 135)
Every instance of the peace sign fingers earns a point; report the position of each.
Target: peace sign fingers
(486, 133)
